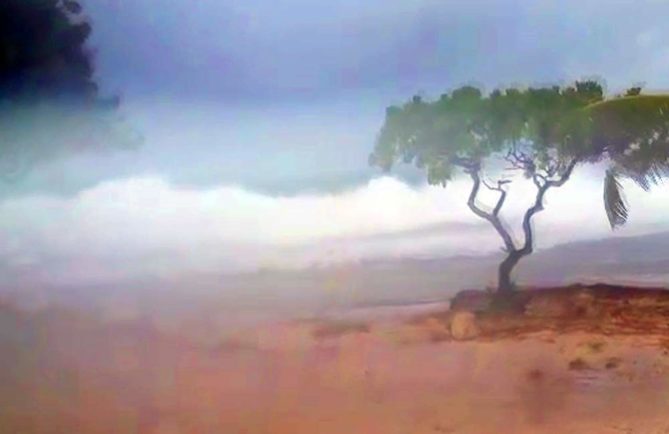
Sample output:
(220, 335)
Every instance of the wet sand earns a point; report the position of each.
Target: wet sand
(370, 371)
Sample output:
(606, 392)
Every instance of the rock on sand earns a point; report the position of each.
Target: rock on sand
(463, 326)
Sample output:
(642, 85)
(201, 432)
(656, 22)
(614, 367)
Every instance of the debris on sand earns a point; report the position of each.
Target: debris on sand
(578, 364)
(613, 363)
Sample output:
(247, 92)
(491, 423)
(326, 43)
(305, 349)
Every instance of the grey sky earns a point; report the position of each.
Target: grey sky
(299, 49)
(286, 96)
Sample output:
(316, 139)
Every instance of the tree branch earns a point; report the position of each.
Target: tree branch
(500, 203)
(537, 178)
(565, 175)
(490, 187)
(492, 218)
(538, 206)
(518, 159)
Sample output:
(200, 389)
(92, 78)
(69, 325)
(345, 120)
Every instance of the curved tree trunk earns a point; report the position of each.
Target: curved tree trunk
(505, 284)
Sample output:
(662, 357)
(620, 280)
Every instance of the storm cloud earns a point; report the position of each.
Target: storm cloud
(298, 49)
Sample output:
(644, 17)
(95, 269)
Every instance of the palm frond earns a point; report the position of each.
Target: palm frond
(651, 174)
(617, 209)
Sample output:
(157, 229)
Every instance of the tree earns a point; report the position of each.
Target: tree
(49, 100)
(541, 133)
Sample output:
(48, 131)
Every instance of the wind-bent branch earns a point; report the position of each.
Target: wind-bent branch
(492, 218)
(507, 266)
(500, 202)
(514, 254)
(539, 205)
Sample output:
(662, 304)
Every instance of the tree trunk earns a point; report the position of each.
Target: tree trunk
(505, 284)
(506, 298)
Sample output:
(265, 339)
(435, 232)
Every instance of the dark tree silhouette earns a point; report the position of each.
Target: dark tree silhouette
(49, 101)
(43, 53)
(541, 133)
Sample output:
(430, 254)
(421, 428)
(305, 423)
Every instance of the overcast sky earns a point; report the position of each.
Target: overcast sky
(288, 95)
(291, 50)
(258, 117)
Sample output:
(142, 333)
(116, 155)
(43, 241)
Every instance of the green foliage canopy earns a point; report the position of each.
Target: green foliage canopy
(537, 128)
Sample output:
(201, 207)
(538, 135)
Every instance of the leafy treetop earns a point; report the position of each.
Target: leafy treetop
(538, 130)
